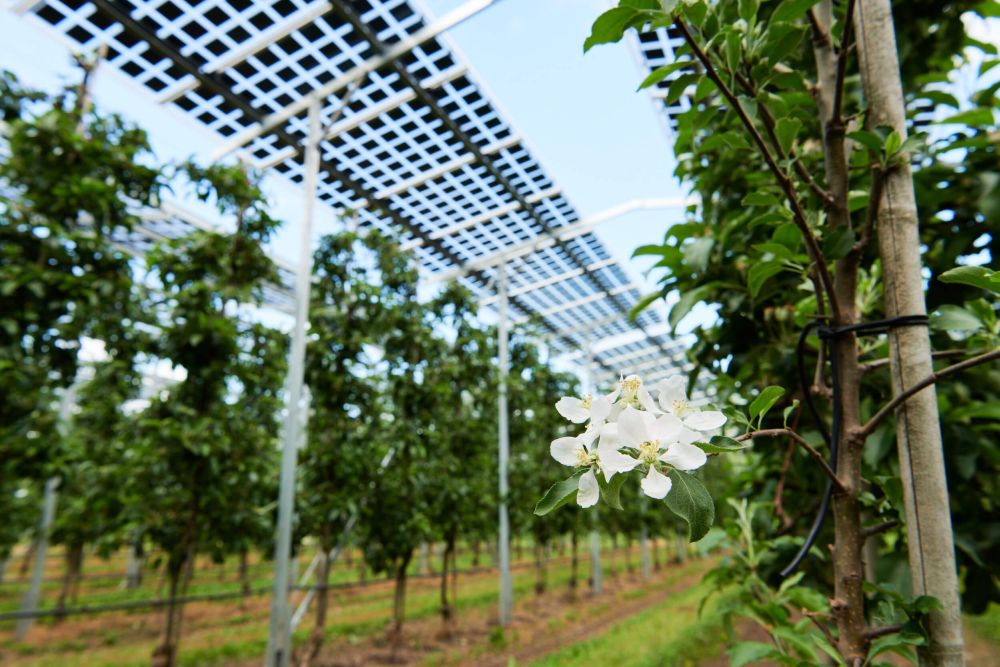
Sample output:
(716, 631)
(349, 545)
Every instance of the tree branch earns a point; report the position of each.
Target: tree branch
(812, 245)
(765, 115)
(891, 406)
(814, 617)
(819, 34)
(875, 633)
(844, 51)
(779, 432)
(871, 531)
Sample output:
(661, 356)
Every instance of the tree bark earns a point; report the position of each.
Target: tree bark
(399, 601)
(245, 573)
(540, 574)
(179, 574)
(918, 431)
(71, 578)
(447, 611)
(574, 563)
(656, 552)
(475, 553)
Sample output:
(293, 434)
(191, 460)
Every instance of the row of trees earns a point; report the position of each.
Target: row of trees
(401, 441)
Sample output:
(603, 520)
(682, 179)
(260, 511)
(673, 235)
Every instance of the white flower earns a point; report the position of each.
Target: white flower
(674, 401)
(580, 410)
(658, 440)
(634, 394)
(577, 452)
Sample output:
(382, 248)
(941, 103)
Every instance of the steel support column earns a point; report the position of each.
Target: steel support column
(503, 546)
(279, 638)
(34, 592)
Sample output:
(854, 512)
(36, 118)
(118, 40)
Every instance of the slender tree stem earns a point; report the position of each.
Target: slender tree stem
(905, 395)
(882, 363)
(871, 531)
(813, 452)
(874, 200)
(875, 633)
(842, 55)
(812, 245)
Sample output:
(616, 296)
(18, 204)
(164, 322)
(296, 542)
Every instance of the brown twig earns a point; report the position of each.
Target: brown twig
(871, 531)
(905, 395)
(799, 216)
(813, 452)
(875, 633)
(814, 617)
(882, 363)
(844, 51)
(820, 35)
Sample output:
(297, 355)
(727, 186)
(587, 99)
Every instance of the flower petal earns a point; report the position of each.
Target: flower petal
(632, 427)
(709, 420)
(655, 484)
(600, 409)
(645, 400)
(589, 434)
(613, 394)
(572, 409)
(589, 491)
(613, 462)
(684, 457)
(609, 437)
(566, 451)
(666, 428)
(674, 388)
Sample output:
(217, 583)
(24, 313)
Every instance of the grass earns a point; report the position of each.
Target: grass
(666, 634)
(987, 625)
(243, 634)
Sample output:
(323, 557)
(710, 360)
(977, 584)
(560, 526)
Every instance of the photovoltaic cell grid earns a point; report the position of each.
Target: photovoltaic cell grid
(655, 49)
(404, 155)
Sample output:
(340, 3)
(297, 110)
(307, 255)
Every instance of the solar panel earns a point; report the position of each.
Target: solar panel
(415, 148)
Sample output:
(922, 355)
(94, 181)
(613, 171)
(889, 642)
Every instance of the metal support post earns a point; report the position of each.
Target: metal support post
(503, 546)
(279, 638)
(34, 592)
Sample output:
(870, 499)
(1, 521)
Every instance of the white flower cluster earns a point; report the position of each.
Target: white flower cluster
(634, 431)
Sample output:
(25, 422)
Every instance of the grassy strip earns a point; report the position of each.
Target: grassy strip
(987, 625)
(669, 633)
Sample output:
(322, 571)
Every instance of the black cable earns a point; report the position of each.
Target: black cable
(826, 333)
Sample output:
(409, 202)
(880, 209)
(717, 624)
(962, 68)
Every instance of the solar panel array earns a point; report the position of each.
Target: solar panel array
(655, 49)
(415, 148)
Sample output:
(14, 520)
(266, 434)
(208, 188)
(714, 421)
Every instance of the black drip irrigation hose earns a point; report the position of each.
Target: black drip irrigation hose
(832, 436)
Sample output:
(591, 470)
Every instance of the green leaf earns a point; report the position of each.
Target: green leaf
(788, 411)
(611, 26)
(611, 491)
(687, 301)
(761, 199)
(733, 46)
(869, 140)
(778, 250)
(979, 117)
(661, 73)
(697, 252)
(893, 142)
(765, 401)
(899, 644)
(838, 242)
(807, 598)
(720, 444)
(955, 318)
(748, 10)
(642, 304)
(743, 653)
(691, 501)
(560, 493)
(857, 200)
(790, 10)
(786, 129)
(650, 249)
(976, 276)
(761, 272)
(788, 235)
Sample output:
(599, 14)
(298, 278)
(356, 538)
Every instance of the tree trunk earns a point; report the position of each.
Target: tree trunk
(628, 554)
(447, 612)
(540, 573)
(245, 572)
(574, 562)
(71, 578)
(918, 431)
(179, 574)
(399, 602)
(475, 553)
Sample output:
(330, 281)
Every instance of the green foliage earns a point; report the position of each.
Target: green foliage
(691, 501)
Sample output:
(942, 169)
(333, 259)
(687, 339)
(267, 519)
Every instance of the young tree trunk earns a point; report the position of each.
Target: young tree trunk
(540, 574)
(574, 562)
(628, 554)
(447, 612)
(245, 572)
(399, 601)
(133, 567)
(179, 575)
(475, 553)
(656, 552)
(71, 578)
(681, 547)
(918, 431)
